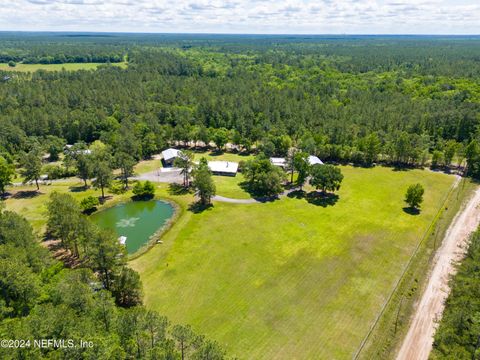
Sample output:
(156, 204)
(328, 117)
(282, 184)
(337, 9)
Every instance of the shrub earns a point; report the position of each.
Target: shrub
(89, 204)
(145, 190)
(117, 187)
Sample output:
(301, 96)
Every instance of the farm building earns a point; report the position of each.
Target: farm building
(170, 155)
(226, 168)
(314, 160)
(278, 161)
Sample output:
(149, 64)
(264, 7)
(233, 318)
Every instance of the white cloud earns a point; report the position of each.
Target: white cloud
(251, 16)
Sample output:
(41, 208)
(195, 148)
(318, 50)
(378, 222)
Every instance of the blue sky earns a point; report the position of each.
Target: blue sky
(245, 16)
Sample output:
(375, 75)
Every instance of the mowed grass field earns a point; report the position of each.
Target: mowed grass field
(291, 279)
(55, 67)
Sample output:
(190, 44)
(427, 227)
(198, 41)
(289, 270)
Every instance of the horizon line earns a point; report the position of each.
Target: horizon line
(225, 33)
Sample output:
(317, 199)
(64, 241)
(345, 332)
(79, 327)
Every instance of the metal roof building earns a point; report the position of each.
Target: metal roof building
(223, 167)
(170, 155)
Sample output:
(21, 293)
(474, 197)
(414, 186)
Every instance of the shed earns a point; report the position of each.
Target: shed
(170, 155)
(226, 168)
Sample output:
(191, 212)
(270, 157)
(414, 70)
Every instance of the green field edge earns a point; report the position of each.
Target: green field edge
(387, 332)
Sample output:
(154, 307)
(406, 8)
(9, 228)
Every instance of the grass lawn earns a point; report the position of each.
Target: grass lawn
(31, 204)
(228, 186)
(146, 166)
(56, 67)
(291, 279)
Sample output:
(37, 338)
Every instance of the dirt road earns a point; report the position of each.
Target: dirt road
(418, 342)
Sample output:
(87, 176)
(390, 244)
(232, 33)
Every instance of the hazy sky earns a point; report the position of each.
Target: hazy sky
(245, 16)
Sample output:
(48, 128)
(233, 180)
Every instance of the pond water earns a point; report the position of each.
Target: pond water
(137, 220)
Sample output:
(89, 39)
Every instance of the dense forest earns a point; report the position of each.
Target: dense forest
(402, 100)
(458, 336)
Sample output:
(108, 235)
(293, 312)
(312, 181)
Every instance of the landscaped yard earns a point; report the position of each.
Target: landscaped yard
(291, 278)
(56, 67)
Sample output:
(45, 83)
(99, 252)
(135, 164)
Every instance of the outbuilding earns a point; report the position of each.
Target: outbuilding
(225, 168)
(170, 155)
(314, 160)
(279, 161)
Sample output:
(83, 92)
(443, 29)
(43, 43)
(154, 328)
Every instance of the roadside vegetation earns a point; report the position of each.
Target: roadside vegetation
(457, 336)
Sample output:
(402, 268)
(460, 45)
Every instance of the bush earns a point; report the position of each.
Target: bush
(145, 190)
(12, 63)
(89, 204)
(117, 187)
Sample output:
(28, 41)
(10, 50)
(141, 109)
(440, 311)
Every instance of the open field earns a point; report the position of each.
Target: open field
(56, 67)
(387, 335)
(32, 205)
(291, 278)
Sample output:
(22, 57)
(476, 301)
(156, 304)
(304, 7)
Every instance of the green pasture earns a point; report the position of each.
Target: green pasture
(291, 278)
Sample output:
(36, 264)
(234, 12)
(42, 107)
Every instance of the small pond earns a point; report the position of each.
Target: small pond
(137, 220)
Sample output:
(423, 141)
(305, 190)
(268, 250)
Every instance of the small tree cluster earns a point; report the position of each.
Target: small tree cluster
(263, 179)
(144, 190)
(326, 177)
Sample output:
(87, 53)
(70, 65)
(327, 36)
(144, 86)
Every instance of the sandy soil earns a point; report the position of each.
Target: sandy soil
(418, 342)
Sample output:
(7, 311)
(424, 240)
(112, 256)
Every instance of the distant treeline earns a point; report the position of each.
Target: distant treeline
(62, 58)
(50, 51)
